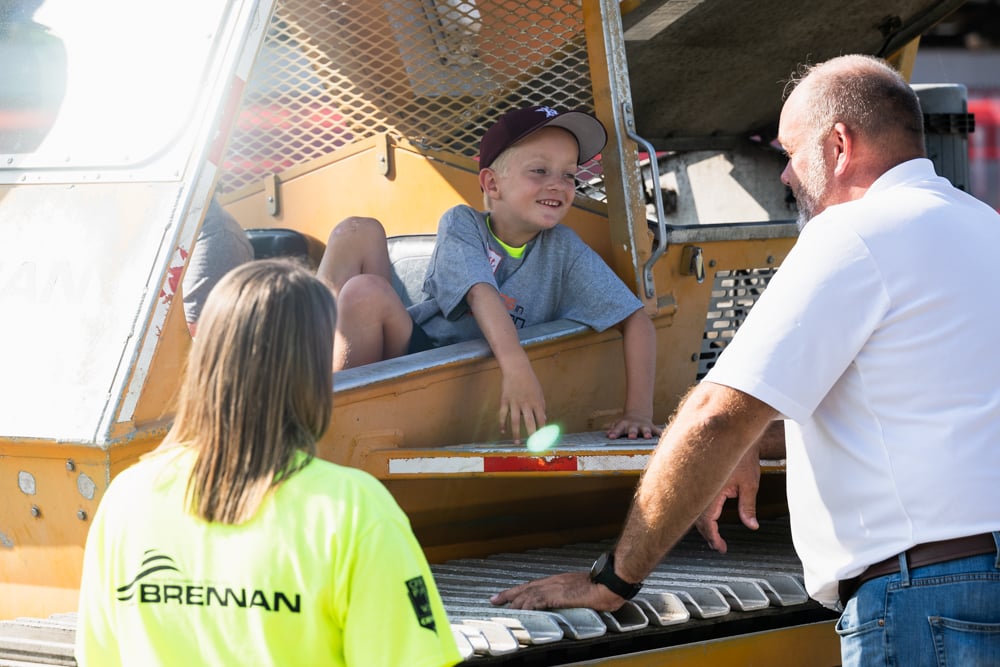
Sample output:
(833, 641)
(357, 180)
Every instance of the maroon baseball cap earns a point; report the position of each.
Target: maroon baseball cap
(519, 123)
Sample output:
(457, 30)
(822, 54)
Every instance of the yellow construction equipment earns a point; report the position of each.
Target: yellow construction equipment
(123, 118)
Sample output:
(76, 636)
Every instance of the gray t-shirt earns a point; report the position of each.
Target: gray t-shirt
(221, 245)
(558, 277)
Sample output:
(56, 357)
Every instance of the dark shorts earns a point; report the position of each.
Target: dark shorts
(419, 340)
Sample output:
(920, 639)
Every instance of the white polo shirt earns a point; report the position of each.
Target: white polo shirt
(879, 337)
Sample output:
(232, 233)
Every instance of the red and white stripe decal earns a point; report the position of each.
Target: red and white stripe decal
(463, 465)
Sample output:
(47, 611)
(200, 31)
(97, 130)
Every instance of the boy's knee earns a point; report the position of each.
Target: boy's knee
(366, 291)
(357, 226)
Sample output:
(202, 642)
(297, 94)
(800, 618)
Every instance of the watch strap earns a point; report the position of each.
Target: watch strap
(612, 581)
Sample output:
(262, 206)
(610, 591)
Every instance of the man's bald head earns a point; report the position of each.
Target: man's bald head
(869, 97)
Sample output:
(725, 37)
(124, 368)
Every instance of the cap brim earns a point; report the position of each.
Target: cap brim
(589, 133)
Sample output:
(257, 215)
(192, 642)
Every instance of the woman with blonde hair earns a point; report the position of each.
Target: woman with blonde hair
(230, 543)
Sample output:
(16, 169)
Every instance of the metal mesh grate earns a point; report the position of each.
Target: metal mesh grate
(733, 295)
(435, 72)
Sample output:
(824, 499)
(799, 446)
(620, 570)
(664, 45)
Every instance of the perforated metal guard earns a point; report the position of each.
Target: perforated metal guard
(435, 72)
(733, 295)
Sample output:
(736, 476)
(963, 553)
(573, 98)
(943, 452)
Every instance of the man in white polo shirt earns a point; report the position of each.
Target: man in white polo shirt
(877, 340)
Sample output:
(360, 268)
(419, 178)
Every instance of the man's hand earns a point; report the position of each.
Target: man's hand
(574, 589)
(743, 485)
(633, 426)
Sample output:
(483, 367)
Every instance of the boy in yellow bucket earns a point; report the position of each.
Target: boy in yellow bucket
(495, 271)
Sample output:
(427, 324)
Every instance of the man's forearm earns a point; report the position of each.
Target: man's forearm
(695, 457)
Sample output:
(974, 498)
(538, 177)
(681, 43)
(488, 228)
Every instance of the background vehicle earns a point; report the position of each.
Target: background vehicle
(304, 112)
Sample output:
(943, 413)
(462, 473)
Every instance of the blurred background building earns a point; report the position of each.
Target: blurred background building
(965, 49)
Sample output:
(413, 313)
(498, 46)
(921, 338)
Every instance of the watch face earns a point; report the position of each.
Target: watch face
(598, 565)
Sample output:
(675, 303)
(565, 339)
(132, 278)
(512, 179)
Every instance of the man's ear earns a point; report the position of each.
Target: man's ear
(488, 183)
(842, 140)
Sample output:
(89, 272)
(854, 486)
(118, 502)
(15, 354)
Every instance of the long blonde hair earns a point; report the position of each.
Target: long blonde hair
(258, 386)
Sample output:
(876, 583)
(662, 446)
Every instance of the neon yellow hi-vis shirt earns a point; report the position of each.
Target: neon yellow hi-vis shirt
(327, 573)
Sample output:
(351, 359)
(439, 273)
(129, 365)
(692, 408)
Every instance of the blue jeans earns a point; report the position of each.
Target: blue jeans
(938, 615)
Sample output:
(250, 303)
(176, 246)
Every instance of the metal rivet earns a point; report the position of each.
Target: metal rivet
(35, 511)
(81, 515)
(70, 465)
(711, 262)
(694, 357)
(770, 259)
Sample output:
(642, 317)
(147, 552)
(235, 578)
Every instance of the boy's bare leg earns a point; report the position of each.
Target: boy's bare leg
(356, 246)
(372, 323)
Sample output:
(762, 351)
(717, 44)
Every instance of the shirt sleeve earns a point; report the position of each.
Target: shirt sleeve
(593, 294)
(816, 314)
(221, 246)
(460, 260)
(393, 595)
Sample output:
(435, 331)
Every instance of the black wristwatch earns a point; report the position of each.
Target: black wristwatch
(603, 572)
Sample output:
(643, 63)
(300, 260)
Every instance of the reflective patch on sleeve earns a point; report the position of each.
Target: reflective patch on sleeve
(417, 589)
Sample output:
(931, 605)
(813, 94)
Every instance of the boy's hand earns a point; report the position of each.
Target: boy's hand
(633, 426)
(521, 399)
(639, 344)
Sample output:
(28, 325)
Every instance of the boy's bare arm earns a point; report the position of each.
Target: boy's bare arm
(521, 397)
(639, 343)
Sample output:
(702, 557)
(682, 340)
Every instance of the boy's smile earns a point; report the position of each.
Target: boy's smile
(534, 186)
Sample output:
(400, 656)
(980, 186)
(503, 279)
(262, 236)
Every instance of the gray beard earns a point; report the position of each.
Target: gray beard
(802, 220)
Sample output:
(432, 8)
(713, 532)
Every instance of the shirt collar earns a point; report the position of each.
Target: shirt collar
(917, 169)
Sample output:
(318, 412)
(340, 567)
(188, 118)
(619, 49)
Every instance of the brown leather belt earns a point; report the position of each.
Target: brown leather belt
(929, 553)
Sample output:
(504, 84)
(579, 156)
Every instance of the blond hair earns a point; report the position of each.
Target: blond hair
(258, 387)
(500, 166)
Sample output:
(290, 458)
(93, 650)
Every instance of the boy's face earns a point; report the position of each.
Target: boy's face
(535, 186)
